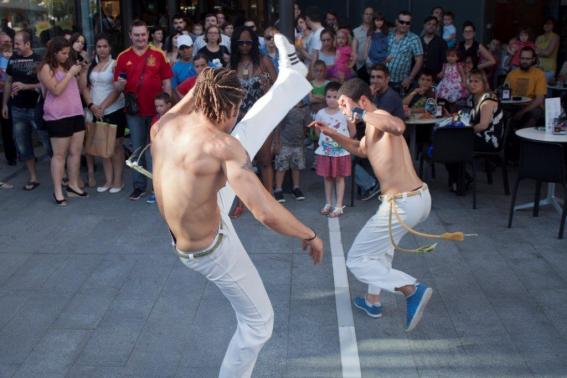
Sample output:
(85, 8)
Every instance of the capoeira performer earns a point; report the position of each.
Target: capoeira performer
(405, 203)
(194, 156)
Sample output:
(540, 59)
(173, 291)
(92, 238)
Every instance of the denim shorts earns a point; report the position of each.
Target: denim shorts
(23, 122)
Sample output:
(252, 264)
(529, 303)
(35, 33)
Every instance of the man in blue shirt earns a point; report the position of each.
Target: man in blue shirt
(183, 68)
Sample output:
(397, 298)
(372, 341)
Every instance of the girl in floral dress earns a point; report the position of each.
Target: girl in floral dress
(452, 86)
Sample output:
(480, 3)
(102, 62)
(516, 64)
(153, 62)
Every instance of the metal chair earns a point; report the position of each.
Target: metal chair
(542, 162)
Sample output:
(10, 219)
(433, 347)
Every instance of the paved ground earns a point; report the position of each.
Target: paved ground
(93, 290)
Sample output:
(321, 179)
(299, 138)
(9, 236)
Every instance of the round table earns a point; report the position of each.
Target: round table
(538, 134)
(556, 88)
(521, 101)
(417, 122)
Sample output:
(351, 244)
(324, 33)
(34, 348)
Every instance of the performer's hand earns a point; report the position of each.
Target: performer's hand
(321, 127)
(315, 249)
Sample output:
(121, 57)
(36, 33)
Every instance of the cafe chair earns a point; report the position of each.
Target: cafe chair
(542, 162)
(453, 145)
(499, 157)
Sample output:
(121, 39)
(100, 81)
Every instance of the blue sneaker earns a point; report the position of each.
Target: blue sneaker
(151, 199)
(371, 310)
(415, 305)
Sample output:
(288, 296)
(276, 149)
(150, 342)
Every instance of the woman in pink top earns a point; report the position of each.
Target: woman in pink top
(63, 115)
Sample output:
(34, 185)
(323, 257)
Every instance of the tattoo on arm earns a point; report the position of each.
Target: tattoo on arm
(248, 164)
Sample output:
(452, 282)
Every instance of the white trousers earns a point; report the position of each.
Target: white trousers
(371, 255)
(230, 267)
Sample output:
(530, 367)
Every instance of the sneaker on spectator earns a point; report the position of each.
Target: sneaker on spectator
(151, 199)
(415, 305)
(298, 194)
(372, 310)
(370, 193)
(136, 194)
(278, 195)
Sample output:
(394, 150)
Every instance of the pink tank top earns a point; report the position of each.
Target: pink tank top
(67, 104)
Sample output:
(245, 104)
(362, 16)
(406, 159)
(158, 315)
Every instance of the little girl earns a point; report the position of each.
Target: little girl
(452, 86)
(333, 162)
(377, 42)
(342, 69)
(517, 44)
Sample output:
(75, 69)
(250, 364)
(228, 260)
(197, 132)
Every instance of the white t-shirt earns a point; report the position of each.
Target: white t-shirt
(314, 41)
(337, 121)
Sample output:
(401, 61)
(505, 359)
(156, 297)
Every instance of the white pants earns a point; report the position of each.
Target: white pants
(370, 257)
(230, 267)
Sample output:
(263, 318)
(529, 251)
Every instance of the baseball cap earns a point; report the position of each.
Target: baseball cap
(184, 40)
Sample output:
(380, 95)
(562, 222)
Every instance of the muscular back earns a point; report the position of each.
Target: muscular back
(187, 174)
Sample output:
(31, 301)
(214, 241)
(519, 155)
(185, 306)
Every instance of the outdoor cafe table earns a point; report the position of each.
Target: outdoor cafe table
(516, 102)
(539, 135)
(556, 88)
(414, 123)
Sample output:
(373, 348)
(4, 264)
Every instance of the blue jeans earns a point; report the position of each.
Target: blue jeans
(362, 178)
(140, 136)
(23, 121)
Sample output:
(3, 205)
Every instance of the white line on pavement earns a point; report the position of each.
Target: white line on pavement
(347, 335)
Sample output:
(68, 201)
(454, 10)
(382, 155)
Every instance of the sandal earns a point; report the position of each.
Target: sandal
(73, 193)
(326, 209)
(337, 212)
(61, 203)
(5, 185)
(31, 185)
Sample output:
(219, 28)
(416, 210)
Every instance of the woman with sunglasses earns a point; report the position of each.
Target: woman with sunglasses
(469, 46)
(217, 55)
(270, 49)
(256, 74)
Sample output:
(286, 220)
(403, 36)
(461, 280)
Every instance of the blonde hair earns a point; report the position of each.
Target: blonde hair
(483, 78)
(218, 93)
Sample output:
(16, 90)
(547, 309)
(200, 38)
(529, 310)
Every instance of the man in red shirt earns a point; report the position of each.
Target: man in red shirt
(142, 72)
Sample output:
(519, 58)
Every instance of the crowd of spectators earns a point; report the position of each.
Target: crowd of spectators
(55, 94)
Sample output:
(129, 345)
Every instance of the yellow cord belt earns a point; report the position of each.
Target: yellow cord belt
(423, 249)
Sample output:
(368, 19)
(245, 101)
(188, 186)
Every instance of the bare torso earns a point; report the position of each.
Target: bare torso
(391, 161)
(187, 174)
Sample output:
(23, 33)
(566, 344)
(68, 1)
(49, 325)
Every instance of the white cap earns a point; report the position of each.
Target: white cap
(184, 39)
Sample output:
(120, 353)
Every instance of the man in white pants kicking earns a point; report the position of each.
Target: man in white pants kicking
(194, 157)
(405, 203)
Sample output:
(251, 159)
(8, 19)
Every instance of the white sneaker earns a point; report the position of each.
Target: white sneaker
(116, 190)
(102, 189)
(288, 56)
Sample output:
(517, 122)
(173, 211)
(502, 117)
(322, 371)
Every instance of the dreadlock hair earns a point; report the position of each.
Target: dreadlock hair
(218, 93)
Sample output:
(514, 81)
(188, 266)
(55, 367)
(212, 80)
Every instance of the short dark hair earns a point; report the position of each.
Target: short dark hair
(380, 67)
(164, 97)
(200, 56)
(355, 89)
(332, 86)
(469, 24)
(319, 62)
(404, 13)
(313, 13)
(210, 15)
(136, 23)
(178, 16)
(430, 18)
(450, 14)
(427, 72)
(528, 48)
(26, 36)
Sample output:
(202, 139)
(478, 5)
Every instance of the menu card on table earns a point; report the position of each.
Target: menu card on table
(552, 111)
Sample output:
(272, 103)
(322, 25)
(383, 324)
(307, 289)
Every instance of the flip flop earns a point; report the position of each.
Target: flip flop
(30, 186)
(5, 185)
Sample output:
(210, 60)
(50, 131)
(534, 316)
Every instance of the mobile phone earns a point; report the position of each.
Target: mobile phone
(123, 75)
(517, 98)
(80, 58)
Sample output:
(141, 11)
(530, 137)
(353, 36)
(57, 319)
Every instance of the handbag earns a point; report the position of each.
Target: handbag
(131, 98)
(100, 138)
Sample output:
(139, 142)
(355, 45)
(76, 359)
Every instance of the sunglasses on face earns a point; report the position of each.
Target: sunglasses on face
(402, 22)
(269, 37)
(244, 43)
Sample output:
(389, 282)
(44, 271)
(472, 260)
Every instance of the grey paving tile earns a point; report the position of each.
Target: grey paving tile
(10, 263)
(54, 354)
(83, 371)
(86, 309)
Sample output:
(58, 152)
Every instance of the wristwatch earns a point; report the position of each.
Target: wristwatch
(357, 114)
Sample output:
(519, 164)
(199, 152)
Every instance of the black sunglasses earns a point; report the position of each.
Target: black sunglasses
(404, 22)
(244, 43)
(269, 37)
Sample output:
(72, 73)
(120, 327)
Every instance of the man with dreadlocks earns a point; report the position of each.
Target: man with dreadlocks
(403, 194)
(192, 165)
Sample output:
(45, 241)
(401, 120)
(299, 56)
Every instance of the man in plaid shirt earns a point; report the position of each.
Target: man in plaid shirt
(403, 47)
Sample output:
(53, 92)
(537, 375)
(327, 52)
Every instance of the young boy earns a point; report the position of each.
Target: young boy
(197, 29)
(449, 30)
(183, 67)
(162, 103)
(200, 63)
(290, 150)
(317, 95)
(417, 98)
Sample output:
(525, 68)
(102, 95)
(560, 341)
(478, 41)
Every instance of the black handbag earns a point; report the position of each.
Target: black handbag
(131, 98)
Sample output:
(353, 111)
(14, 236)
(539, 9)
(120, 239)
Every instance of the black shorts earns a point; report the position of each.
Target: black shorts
(65, 127)
(117, 118)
